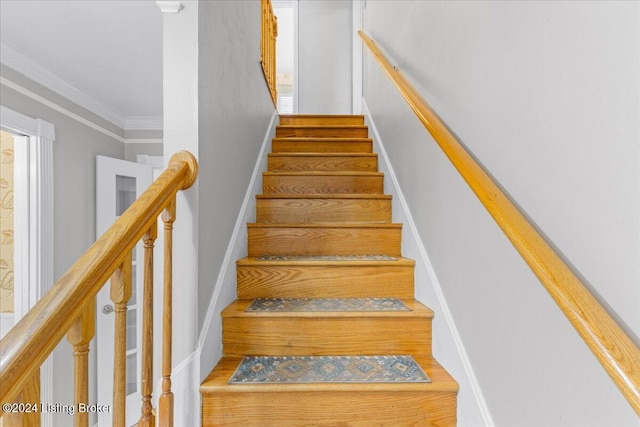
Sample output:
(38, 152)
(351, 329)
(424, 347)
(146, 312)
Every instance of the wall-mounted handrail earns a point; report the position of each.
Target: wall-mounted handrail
(67, 308)
(614, 349)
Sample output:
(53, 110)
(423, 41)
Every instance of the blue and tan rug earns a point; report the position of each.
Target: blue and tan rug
(328, 369)
(326, 304)
(327, 258)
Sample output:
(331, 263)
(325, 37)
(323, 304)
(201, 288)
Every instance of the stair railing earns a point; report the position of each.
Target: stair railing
(69, 308)
(268, 47)
(613, 348)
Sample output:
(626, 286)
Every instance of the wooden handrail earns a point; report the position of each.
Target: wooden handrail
(29, 343)
(614, 349)
(269, 28)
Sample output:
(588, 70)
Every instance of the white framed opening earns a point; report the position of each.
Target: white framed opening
(33, 226)
(287, 55)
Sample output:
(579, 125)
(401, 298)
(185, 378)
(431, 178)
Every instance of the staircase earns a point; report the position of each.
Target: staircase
(322, 252)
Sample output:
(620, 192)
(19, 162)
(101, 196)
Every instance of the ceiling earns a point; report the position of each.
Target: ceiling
(111, 50)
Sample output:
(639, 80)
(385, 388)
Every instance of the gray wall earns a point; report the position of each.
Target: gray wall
(547, 96)
(324, 57)
(132, 149)
(234, 113)
(74, 182)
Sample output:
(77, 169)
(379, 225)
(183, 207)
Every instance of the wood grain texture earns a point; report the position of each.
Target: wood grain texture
(363, 405)
(324, 239)
(121, 290)
(322, 145)
(320, 279)
(147, 418)
(300, 209)
(326, 333)
(331, 162)
(311, 131)
(165, 402)
(309, 119)
(615, 350)
(30, 394)
(322, 182)
(79, 336)
(29, 343)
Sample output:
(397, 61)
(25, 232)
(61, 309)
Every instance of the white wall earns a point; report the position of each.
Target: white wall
(324, 62)
(218, 106)
(547, 96)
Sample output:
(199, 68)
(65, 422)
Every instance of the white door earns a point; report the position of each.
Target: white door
(118, 184)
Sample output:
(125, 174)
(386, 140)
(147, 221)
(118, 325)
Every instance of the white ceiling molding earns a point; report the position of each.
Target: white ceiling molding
(16, 60)
(44, 101)
(143, 123)
(170, 6)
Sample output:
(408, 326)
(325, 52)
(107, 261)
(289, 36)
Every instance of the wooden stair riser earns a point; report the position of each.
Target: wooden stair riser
(267, 239)
(278, 183)
(305, 120)
(361, 408)
(312, 334)
(328, 162)
(292, 281)
(322, 146)
(301, 210)
(322, 132)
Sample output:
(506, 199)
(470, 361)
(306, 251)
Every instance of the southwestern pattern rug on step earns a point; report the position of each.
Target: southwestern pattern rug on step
(328, 369)
(326, 258)
(327, 304)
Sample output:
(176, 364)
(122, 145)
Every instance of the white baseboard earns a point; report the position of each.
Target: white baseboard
(210, 340)
(447, 344)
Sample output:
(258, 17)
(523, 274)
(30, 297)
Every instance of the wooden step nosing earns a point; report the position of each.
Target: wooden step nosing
(321, 116)
(363, 174)
(254, 262)
(312, 139)
(340, 196)
(320, 126)
(340, 225)
(418, 310)
(346, 155)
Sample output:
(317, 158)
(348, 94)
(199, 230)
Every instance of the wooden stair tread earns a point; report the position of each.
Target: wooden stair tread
(254, 261)
(325, 225)
(323, 196)
(322, 173)
(322, 154)
(217, 380)
(238, 307)
(312, 139)
(320, 126)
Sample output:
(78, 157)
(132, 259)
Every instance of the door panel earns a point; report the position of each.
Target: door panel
(118, 184)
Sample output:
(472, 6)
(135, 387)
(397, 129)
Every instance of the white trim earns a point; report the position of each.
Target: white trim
(37, 183)
(143, 141)
(240, 225)
(185, 385)
(26, 66)
(26, 92)
(170, 6)
(296, 56)
(416, 245)
(358, 8)
(143, 123)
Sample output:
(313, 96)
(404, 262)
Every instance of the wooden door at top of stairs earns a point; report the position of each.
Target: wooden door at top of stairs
(324, 230)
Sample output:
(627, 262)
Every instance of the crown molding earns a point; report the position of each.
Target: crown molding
(26, 66)
(143, 123)
(170, 6)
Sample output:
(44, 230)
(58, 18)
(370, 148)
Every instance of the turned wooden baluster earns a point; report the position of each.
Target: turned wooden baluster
(80, 335)
(147, 419)
(120, 294)
(30, 395)
(165, 403)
